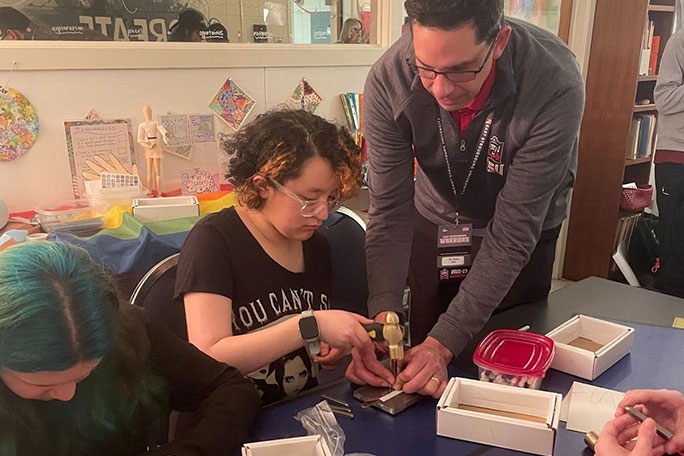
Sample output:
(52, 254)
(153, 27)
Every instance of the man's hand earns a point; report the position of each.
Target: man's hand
(666, 408)
(425, 370)
(365, 369)
(617, 436)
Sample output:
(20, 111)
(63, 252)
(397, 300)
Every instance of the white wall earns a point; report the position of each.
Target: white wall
(43, 176)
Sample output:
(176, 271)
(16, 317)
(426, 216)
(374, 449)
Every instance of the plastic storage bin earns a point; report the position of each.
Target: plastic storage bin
(75, 216)
(515, 358)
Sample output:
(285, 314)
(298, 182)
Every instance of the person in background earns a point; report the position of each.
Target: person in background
(491, 109)
(663, 407)
(83, 372)
(252, 275)
(15, 25)
(669, 166)
(216, 32)
(353, 32)
(190, 26)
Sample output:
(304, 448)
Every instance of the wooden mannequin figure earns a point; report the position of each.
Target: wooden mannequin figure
(149, 133)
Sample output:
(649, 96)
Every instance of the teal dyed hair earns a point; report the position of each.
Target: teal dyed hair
(54, 310)
(59, 308)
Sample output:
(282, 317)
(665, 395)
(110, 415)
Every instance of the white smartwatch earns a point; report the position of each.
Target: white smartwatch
(308, 328)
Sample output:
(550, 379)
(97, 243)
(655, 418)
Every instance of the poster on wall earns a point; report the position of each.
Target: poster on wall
(320, 27)
(118, 20)
(97, 146)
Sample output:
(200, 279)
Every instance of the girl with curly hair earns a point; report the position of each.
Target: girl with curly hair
(249, 275)
(84, 373)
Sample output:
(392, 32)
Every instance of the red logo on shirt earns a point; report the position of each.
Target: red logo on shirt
(495, 156)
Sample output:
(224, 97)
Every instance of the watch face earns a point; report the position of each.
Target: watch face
(308, 327)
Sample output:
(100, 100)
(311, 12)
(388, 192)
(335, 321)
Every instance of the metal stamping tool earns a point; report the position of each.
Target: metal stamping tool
(335, 400)
(640, 417)
(342, 411)
(590, 439)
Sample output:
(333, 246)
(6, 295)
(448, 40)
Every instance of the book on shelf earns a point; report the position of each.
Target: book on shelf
(653, 61)
(641, 134)
(633, 141)
(646, 44)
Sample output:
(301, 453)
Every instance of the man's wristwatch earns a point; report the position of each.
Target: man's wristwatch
(308, 328)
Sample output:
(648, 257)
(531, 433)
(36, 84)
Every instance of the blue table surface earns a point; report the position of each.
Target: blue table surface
(655, 362)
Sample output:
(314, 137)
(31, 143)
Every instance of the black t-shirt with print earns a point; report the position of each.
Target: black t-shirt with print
(221, 256)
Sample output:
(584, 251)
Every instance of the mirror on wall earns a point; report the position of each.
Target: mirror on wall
(216, 21)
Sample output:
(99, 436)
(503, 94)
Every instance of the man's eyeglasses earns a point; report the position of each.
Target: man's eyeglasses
(311, 208)
(453, 76)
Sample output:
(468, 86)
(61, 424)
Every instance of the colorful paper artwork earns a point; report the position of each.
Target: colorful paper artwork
(97, 146)
(196, 180)
(202, 128)
(232, 104)
(178, 128)
(18, 124)
(304, 97)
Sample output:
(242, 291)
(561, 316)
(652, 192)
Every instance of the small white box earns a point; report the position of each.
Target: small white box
(153, 209)
(499, 415)
(587, 346)
(312, 445)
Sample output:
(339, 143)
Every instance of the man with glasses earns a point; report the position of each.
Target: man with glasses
(490, 108)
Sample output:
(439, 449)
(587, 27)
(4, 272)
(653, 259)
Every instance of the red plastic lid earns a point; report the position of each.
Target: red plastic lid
(508, 351)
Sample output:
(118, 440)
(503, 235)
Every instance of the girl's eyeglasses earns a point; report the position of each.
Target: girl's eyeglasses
(311, 208)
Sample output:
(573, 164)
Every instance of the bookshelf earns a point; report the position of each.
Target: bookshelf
(615, 93)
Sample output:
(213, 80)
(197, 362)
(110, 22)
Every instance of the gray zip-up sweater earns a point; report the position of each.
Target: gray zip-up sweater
(669, 95)
(537, 100)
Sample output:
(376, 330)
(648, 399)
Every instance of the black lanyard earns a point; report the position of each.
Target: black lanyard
(478, 150)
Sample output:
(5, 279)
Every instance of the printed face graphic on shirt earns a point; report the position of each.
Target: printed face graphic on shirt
(265, 374)
(295, 376)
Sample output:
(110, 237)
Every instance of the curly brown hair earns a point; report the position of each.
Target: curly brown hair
(278, 143)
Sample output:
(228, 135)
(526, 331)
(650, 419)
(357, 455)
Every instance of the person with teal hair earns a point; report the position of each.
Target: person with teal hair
(83, 372)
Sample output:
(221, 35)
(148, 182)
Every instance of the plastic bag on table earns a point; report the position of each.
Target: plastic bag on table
(320, 420)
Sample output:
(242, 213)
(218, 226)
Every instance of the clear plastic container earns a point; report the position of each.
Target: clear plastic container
(116, 196)
(80, 217)
(515, 358)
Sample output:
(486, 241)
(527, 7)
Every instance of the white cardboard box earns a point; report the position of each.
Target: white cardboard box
(153, 209)
(587, 346)
(312, 445)
(499, 415)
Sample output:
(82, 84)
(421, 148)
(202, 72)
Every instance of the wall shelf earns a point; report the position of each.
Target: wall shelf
(645, 108)
(661, 8)
(637, 161)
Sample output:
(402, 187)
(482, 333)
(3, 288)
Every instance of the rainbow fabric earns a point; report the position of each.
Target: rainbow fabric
(127, 246)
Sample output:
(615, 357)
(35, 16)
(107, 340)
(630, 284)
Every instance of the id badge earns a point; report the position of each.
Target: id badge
(450, 236)
(453, 244)
(453, 265)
